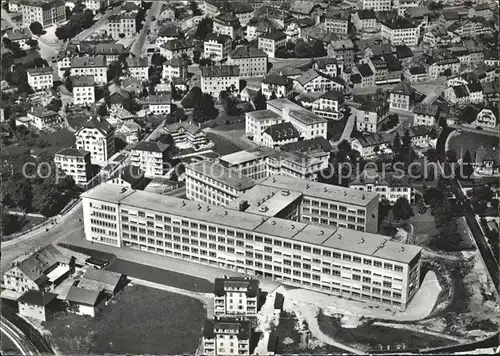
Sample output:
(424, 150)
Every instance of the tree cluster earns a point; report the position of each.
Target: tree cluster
(80, 20)
(302, 49)
(260, 101)
(204, 108)
(205, 26)
(36, 28)
(228, 103)
(402, 209)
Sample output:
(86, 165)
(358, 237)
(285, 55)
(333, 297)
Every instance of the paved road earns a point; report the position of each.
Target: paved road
(137, 48)
(95, 27)
(349, 126)
(17, 337)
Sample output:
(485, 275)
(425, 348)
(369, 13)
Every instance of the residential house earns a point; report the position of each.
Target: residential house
(425, 114)
(370, 145)
(168, 33)
(422, 136)
(130, 131)
(227, 24)
(471, 28)
(457, 95)
(138, 67)
(218, 78)
(390, 186)
(328, 66)
(282, 87)
(236, 297)
(43, 118)
(486, 117)
(328, 105)
(94, 66)
(38, 305)
(314, 80)
(481, 10)
(475, 92)
(365, 21)
(343, 51)
(401, 97)
(270, 42)
(176, 67)
(14, 5)
(279, 134)
(251, 61)
(298, 28)
(440, 38)
(337, 21)
(304, 8)
(19, 36)
(47, 13)
(151, 157)
(258, 26)
(386, 68)
(97, 137)
(160, 104)
(129, 177)
(121, 25)
(177, 48)
(491, 90)
(399, 31)
(216, 46)
(443, 63)
(376, 5)
(187, 134)
(362, 76)
(83, 301)
(95, 5)
(370, 116)
(487, 161)
(404, 54)
(74, 163)
(83, 90)
(102, 280)
(40, 78)
(415, 74)
(226, 337)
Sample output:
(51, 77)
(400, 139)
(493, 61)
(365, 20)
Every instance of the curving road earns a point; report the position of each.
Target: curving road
(17, 337)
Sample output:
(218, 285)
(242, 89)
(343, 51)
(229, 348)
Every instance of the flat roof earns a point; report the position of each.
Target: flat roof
(264, 115)
(240, 157)
(298, 112)
(362, 243)
(265, 201)
(223, 174)
(321, 190)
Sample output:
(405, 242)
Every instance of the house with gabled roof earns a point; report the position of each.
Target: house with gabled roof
(270, 42)
(487, 161)
(370, 116)
(279, 134)
(97, 137)
(43, 118)
(425, 114)
(251, 61)
(401, 97)
(187, 133)
(236, 297)
(281, 86)
(130, 177)
(328, 105)
(370, 145)
(486, 116)
(37, 305)
(83, 301)
(314, 80)
(74, 163)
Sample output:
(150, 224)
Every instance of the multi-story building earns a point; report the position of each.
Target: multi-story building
(251, 61)
(390, 186)
(376, 5)
(486, 117)
(270, 42)
(337, 21)
(74, 163)
(280, 86)
(280, 134)
(258, 26)
(457, 95)
(38, 305)
(138, 67)
(386, 68)
(399, 31)
(343, 51)
(236, 297)
(213, 183)
(187, 133)
(280, 110)
(217, 46)
(252, 163)
(168, 33)
(243, 11)
(296, 164)
(370, 145)
(362, 76)
(443, 63)
(121, 26)
(15, 5)
(327, 105)
(355, 264)
(46, 13)
(160, 104)
(365, 20)
(40, 78)
(370, 116)
(227, 24)
(151, 157)
(95, 5)
(313, 81)
(226, 337)
(415, 74)
(218, 78)
(401, 97)
(440, 38)
(471, 28)
(43, 118)
(19, 36)
(176, 67)
(83, 90)
(177, 48)
(425, 114)
(98, 137)
(94, 66)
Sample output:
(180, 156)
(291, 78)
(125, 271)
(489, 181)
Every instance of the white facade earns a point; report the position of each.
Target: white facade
(74, 164)
(40, 78)
(94, 66)
(123, 25)
(486, 119)
(377, 5)
(219, 78)
(98, 141)
(400, 36)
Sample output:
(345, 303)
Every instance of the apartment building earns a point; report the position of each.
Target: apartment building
(281, 110)
(270, 42)
(74, 163)
(415, 74)
(313, 81)
(94, 66)
(280, 86)
(296, 164)
(400, 31)
(40, 78)
(226, 337)
(343, 51)
(213, 183)
(121, 26)
(471, 28)
(365, 20)
(43, 118)
(327, 105)
(187, 133)
(425, 114)
(138, 67)
(337, 21)
(160, 104)
(236, 297)
(83, 90)
(19, 36)
(177, 48)
(227, 24)
(370, 116)
(251, 163)
(95, 5)
(390, 186)
(15, 5)
(376, 5)
(218, 78)
(401, 97)
(46, 13)
(251, 61)
(175, 68)
(371, 145)
(151, 157)
(358, 265)
(386, 68)
(97, 137)
(217, 47)
(362, 76)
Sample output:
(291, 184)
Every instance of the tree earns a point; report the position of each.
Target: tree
(32, 43)
(102, 110)
(18, 191)
(344, 146)
(37, 28)
(204, 109)
(466, 168)
(260, 101)
(55, 105)
(204, 27)
(433, 196)
(194, 8)
(158, 59)
(396, 144)
(318, 49)
(194, 95)
(402, 209)
(68, 83)
(431, 154)
(302, 49)
(115, 71)
(273, 96)
(121, 35)
(228, 103)
(196, 56)
(443, 122)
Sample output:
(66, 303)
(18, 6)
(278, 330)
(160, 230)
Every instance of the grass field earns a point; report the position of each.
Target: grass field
(139, 320)
(471, 141)
(424, 226)
(375, 337)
